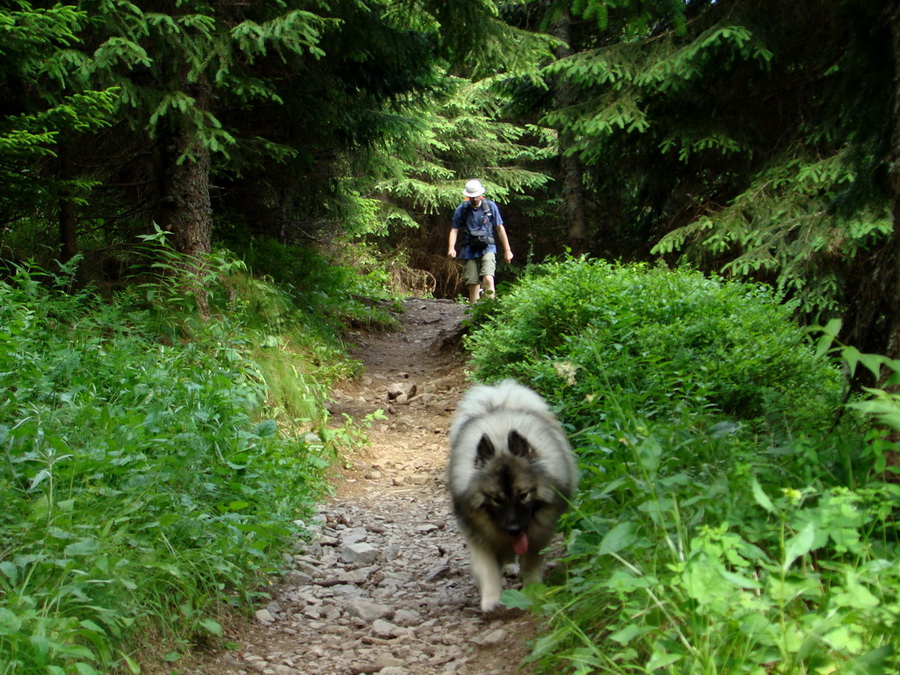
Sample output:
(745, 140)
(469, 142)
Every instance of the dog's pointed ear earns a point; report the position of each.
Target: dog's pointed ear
(518, 446)
(485, 451)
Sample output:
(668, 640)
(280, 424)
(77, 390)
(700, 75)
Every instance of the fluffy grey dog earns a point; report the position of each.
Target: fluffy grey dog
(511, 473)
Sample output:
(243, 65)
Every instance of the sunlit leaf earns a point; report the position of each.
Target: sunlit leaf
(760, 496)
(799, 545)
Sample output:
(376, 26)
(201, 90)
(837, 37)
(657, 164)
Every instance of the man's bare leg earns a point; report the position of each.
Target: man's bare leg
(474, 293)
(488, 281)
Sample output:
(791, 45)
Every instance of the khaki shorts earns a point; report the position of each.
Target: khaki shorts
(475, 268)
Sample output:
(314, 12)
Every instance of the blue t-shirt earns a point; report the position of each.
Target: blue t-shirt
(467, 218)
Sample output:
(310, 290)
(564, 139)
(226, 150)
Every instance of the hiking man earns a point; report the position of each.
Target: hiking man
(479, 220)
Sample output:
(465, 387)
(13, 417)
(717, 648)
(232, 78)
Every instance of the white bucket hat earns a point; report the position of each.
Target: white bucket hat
(474, 188)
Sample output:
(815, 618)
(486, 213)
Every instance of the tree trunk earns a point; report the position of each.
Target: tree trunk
(186, 194)
(67, 232)
(184, 207)
(893, 349)
(570, 165)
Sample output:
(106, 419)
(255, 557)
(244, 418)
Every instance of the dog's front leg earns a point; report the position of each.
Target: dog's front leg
(532, 567)
(489, 577)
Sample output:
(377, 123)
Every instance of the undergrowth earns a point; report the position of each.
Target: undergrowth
(729, 519)
(153, 467)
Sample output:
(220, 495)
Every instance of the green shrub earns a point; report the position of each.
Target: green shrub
(326, 296)
(581, 330)
(684, 567)
(725, 521)
(141, 482)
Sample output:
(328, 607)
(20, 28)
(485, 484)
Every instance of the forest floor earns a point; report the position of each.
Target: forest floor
(384, 585)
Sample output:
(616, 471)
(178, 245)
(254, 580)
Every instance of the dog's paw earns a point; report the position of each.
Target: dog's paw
(490, 603)
(511, 570)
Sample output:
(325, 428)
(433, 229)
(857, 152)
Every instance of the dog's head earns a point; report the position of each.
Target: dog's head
(510, 486)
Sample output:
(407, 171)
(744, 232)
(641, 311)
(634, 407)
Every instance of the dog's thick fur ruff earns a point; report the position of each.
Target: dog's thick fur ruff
(510, 475)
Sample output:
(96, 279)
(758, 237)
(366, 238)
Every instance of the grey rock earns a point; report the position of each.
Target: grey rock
(354, 535)
(493, 638)
(368, 611)
(387, 630)
(407, 617)
(359, 554)
(264, 616)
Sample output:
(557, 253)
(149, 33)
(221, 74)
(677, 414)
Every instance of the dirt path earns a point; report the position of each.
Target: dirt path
(384, 587)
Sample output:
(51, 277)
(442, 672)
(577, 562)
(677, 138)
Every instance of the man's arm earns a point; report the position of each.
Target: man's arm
(451, 251)
(500, 231)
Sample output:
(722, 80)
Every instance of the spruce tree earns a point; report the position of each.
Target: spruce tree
(43, 105)
(748, 137)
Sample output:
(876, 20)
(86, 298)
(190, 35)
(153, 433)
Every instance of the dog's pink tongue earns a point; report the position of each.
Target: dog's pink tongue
(520, 544)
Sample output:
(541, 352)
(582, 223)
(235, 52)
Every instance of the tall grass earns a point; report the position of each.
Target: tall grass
(728, 519)
(149, 475)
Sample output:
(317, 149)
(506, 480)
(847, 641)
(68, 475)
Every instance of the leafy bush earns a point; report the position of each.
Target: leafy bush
(685, 567)
(583, 330)
(726, 521)
(141, 484)
(326, 296)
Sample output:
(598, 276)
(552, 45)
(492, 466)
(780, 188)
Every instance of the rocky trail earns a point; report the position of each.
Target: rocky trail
(384, 586)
